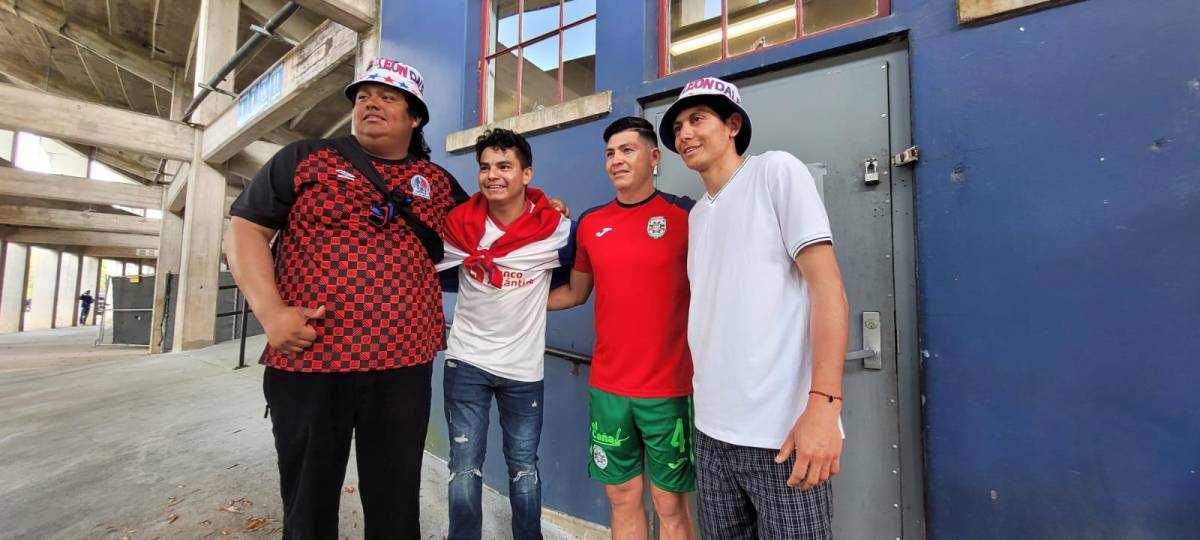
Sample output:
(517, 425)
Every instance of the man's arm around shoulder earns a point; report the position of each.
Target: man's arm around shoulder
(572, 294)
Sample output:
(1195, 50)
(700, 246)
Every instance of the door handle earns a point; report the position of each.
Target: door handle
(861, 355)
(871, 339)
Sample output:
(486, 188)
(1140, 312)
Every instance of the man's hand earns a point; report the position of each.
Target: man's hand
(817, 442)
(287, 327)
(561, 206)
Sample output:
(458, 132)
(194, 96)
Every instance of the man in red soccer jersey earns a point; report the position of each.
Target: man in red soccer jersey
(634, 251)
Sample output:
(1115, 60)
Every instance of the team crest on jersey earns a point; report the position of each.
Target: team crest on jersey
(656, 227)
(599, 457)
(421, 186)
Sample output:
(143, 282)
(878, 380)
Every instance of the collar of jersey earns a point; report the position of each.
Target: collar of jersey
(639, 203)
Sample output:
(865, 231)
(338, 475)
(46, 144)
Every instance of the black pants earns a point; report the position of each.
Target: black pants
(313, 417)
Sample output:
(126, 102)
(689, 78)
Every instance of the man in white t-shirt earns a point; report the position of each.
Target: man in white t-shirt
(767, 327)
(507, 239)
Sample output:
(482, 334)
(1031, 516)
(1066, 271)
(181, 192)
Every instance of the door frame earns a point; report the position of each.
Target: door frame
(904, 266)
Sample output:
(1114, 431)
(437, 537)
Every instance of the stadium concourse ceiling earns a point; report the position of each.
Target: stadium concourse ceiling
(126, 54)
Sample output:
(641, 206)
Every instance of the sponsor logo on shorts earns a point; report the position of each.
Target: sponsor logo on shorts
(345, 175)
(607, 439)
(599, 457)
(677, 463)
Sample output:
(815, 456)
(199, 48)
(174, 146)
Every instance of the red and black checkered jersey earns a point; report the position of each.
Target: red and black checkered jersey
(382, 298)
(637, 255)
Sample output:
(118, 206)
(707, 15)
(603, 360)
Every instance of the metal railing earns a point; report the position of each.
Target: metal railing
(577, 359)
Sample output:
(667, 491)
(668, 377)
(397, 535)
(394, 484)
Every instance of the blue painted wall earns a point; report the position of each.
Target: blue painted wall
(1058, 203)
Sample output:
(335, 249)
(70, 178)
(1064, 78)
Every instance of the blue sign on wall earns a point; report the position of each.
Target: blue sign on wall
(262, 94)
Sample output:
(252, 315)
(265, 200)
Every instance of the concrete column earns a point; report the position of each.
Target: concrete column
(196, 306)
(170, 239)
(89, 280)
(43, 274)
(12, 287)
(66, 312)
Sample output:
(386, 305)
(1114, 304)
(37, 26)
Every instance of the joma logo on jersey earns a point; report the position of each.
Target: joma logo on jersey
(656, 227)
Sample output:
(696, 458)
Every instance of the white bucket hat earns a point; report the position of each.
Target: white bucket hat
(699, 90)
(397, 75)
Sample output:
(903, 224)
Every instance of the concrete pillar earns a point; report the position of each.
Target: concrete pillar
(203, 220)
(66, 311)
(170, 241)
(43, 274)
(12, 287)
(89, 280)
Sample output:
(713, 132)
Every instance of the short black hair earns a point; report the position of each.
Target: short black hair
(504, 139)
(632, 123)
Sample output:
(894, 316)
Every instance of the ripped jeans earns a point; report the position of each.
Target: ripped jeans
(468, 394)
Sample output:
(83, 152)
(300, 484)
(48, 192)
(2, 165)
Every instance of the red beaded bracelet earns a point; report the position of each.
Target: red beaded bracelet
(830, 396)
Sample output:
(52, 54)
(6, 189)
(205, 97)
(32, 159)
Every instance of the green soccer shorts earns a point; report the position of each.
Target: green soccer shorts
(622, 427)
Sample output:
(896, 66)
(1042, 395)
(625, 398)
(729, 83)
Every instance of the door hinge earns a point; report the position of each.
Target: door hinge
(910, 155)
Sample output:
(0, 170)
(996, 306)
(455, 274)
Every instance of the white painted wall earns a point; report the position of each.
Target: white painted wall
(67, 311)
(12, 301)
(43, 268)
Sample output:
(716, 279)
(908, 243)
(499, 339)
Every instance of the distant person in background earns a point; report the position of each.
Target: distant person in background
(85, 305)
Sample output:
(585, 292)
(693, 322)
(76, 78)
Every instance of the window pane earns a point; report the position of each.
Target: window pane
(504, 25)
(579, 61)
(573, 10)
(502, 72)
(540, 16)
(539, 75)
(824, 14)
(695, 33)
(754, 24)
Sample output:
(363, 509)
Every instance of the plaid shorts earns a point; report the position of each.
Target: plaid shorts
(744, 495)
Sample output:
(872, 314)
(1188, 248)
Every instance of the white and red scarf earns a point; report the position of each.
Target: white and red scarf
(533, 237)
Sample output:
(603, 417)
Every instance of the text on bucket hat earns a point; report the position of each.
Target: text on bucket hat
(699, 90)
(397, 75)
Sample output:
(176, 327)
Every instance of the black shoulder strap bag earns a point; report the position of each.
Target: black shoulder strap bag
(394, 202)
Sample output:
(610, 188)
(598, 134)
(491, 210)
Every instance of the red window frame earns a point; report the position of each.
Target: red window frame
(520, 46)
(664, 29)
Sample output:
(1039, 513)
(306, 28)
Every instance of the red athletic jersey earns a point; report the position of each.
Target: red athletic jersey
(637, 255)
(380, 291)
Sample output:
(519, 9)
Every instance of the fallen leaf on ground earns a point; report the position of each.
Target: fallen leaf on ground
(226, 531)
(232, 510)
(206, 522)
(349, 489)
(256, 523)
(171, 518)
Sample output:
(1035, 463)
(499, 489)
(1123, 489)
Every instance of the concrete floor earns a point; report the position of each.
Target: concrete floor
(113, 443)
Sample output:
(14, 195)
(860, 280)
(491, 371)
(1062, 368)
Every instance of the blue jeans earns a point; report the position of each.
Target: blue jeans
(468, 394)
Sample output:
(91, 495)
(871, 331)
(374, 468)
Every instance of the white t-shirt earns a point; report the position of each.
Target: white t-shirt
(748, 321)
(503, 331)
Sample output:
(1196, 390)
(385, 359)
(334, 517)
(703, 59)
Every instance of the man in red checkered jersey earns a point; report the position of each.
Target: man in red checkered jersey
(350, 303)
